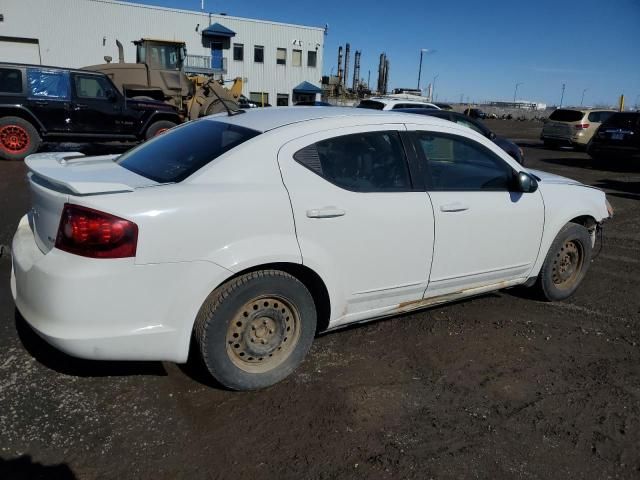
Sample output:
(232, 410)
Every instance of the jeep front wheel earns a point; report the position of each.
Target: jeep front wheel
(18, 138)
(158, 128)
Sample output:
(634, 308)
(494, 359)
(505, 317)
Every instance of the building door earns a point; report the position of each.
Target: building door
(216, 55)
(20, 50)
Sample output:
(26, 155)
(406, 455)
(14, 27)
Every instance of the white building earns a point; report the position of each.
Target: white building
(272, 58)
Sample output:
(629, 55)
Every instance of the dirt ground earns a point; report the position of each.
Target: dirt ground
(500, 386)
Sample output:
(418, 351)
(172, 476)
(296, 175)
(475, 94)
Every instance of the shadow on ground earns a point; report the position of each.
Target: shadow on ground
(24, 468)
(622, 189)
(68, 365)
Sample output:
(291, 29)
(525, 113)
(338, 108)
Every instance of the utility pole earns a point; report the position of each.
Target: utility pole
(433, 87)
(369, 80)
(562, 96)
(515, 92)
(422, 52)
(582, 99)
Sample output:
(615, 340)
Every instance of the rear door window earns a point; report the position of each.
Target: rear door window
(10, 80)
(48, 84)
(564, 115)
(175, 155)
(362, 162)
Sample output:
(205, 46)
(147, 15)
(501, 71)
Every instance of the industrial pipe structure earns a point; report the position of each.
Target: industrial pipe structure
(340, 65)
(356, 70)
(347, 49)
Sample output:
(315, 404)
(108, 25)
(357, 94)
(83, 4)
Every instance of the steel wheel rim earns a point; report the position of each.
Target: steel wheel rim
(263, 334)
(567, 264)
(14, 139)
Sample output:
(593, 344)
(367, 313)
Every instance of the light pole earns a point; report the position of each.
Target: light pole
(562, 96)
(582, 99)
(422, 52)
(515, 92)
(433, 87)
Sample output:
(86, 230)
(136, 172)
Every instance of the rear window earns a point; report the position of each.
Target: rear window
(48, 84)
(371, 104)
(10, 80)
(562, 115)
(623, 120)
(173, 156)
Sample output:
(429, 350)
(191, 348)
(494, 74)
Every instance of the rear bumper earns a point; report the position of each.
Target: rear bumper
(613, 151)
(568, 140)
(108, 309)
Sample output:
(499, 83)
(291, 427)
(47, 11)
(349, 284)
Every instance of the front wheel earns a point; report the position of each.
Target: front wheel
(566, 263)
(158, 128)
(254, 330)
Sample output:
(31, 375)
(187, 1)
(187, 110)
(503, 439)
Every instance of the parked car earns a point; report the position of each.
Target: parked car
(572, 127)
(617, 138)
(252, 232)
(504, 143)
(47, 104)
(443, 106)
(475, 113)
(390, 103)
(313, 104)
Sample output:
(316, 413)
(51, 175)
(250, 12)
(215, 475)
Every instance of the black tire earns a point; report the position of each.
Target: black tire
(18, 138)
(158, 128)
(549, 145)
(243, 328)
(566, 263)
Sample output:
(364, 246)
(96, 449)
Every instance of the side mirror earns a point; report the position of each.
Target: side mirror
(526, 183)
(111, 95)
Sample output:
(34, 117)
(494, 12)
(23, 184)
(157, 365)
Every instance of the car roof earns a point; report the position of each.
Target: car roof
(47, 67)
(264, 120)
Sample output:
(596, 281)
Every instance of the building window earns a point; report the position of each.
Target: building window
(260, 98)
(281, 56)
(312, 58)
(283, 100)
(258, 54)
(238, 51)
(296, 58)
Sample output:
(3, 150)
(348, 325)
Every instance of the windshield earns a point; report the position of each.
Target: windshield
(566, 116)
(173, 156)
(371, 104)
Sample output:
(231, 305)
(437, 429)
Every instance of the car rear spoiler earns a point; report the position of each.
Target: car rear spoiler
(57, 170)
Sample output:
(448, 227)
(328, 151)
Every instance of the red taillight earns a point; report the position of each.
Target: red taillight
(96, 234)
(582, 126)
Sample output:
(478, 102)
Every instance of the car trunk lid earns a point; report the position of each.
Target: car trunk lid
(58, 178)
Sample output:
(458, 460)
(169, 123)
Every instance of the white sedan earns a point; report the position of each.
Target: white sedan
(251, 232)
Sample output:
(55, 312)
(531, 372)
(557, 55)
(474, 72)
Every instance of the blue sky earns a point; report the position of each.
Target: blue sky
(483, 48)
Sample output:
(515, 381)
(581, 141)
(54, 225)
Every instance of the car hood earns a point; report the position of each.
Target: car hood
(546, 177)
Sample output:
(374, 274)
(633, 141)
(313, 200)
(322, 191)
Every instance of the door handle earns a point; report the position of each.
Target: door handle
(326, 212)
(41, 103)
(454, 207)
(80, 106)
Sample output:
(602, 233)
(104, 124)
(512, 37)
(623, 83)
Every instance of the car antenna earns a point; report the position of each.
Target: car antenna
(230, 112)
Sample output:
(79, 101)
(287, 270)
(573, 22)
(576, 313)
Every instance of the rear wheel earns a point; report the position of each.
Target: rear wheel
(18, 138)
(256, 329)
(566, 263)
(548, 144)
(158, 128)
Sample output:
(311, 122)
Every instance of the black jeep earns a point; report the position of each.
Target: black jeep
(48, 104)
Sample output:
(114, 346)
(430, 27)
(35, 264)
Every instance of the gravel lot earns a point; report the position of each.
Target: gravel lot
(500, 386)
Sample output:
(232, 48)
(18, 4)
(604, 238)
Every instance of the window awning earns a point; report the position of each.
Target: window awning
(306, 87)
(217, 30)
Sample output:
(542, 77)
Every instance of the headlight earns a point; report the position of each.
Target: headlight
(609, 208)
